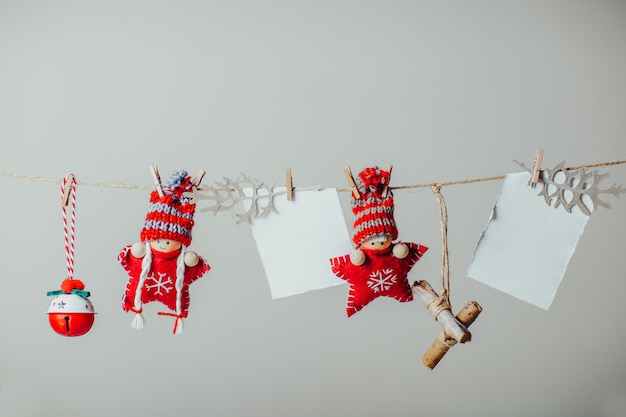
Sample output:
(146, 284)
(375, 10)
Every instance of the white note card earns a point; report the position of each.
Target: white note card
(526, 246)
(296, 243)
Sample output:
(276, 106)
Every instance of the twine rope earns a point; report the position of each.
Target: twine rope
(68, 232)
(443, 220)
(400, 187)
(485, 179)
(438, 304)
(443, 301)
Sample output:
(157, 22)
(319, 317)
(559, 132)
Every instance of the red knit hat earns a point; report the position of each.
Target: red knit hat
(170, 216)
(373, 212)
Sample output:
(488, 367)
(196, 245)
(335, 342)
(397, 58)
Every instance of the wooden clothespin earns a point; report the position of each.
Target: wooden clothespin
(536, 168)
(157, 179)
(386, 187)
(355, 190)
(65, 200)
(198, 179)
(289, 185)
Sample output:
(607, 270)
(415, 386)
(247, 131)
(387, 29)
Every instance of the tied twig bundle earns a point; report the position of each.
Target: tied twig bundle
(438, 305)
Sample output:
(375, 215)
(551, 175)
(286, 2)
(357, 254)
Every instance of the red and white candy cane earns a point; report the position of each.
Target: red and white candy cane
(68, 198)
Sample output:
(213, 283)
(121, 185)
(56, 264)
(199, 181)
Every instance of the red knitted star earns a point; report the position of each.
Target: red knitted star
(382, 274)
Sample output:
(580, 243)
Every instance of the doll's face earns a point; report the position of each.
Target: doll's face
(165, 245)
(377, 244)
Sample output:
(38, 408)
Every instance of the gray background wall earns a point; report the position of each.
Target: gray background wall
(441, 90)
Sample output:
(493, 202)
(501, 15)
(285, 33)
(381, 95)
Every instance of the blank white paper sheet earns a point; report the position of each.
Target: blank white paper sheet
(526, 246)
(296, 244)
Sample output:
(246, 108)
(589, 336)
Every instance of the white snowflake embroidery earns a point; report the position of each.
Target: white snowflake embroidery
(382, 280)
(160, 283)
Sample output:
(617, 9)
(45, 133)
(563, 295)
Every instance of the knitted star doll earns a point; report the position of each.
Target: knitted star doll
(377, 267)
(160, 268)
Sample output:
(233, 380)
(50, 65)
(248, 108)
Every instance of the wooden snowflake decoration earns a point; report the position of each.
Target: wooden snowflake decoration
(569, 187)
(245, 197)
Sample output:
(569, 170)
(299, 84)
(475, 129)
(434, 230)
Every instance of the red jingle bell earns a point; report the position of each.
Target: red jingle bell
(71, 314)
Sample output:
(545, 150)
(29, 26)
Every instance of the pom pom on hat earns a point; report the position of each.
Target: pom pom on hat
(373, 212)
(170, 216)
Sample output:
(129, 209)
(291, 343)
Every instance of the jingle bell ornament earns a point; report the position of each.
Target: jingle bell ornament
(71, 314)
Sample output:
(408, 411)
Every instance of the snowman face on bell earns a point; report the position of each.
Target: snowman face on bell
(377, 243)
(165, 245)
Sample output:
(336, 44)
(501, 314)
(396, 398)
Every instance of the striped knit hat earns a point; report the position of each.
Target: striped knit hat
(373, 212)
(170, 216)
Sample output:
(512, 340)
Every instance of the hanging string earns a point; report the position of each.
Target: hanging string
(401, 187)
(444, 297)
(484, 179)
(68, 198)
(82, 183)
(443, 219)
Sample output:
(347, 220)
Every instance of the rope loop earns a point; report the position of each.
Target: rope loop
(445, 262)
(68, 229)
